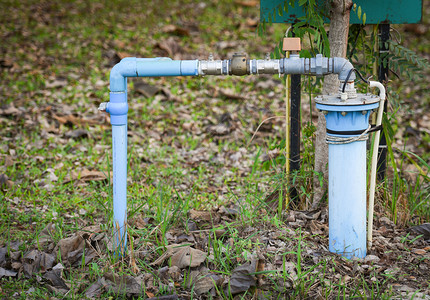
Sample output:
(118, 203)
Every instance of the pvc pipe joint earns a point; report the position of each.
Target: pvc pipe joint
(118, 108)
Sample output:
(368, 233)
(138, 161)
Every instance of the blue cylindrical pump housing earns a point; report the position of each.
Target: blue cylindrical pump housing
(347, 120)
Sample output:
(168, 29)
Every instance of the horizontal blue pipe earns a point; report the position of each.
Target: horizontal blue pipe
(149, 67)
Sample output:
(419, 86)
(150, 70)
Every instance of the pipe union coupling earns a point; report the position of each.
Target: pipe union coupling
(118, 108)
(319, 65)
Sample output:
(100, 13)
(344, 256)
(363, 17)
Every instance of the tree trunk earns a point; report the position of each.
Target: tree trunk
(338, 39)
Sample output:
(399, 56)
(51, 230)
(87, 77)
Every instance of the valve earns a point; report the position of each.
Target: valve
(103, 106)
(239, 65)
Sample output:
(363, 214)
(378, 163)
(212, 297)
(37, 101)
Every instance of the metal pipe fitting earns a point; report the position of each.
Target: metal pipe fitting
(239, 65)
(342, 66)
(213, 67)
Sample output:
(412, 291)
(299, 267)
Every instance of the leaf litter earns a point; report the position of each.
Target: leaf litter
(255, 271)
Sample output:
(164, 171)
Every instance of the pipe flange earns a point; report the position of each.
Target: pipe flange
(360, 99)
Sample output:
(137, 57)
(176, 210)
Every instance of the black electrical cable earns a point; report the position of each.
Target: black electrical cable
(361, 76)
(349, 75)
(346, 80)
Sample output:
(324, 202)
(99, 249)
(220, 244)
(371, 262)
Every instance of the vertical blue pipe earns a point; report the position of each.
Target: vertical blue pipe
(118, 109)
(119, 145)
(347, 199)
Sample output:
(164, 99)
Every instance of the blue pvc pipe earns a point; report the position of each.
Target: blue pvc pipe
(149, 67)
(347, 180)
(118, 109)
(347, 199)
(119, 143)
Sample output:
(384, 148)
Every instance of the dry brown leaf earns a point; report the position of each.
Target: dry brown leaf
(182, 256)
(74, 120)
(219, 129)
(149, 294)
(251, 22)
(3, 252)
(241, 278)
(146, 89)
(77, 134)
(9, 110)
(200, 215)
(6, 63)
(45, 236)
(122, 54)
(170, 28)
(231, 94)
(170, 46)
(188, 257)
(423, 229)
(124, 284)
(5, 182)
(56, 280)
(68, 245)
(317, 228)
(96, 289)
(34, 261)
(204, 284)
(56, 83)
(7, 273)
(419, 251)
(86, 175)
(174, 273)
(418, 29)
(8, 161)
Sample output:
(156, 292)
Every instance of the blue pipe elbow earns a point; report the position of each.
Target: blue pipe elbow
(119, 73)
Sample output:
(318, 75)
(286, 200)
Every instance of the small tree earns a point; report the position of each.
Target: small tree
(338, 40)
